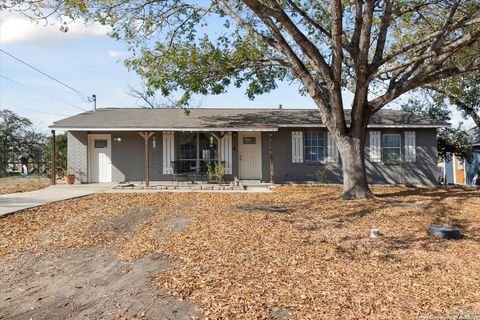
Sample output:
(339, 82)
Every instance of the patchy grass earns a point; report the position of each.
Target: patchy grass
(22, 184)
(297, 251)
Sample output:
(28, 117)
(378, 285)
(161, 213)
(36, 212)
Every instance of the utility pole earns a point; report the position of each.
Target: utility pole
(94, 98)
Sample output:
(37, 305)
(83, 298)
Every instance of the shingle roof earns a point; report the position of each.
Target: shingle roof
(225, 119)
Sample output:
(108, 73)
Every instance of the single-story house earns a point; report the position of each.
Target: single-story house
(268, 145)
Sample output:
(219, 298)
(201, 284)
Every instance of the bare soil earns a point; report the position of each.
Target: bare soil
(295, 253)
(91, 282)
(22, 184)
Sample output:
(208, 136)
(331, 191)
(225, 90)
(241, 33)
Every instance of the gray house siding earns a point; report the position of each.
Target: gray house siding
(287, 171)
(127, 156)
(77, 154)
(473, 167)
(421, 172)
(128, 159)
(234, 155)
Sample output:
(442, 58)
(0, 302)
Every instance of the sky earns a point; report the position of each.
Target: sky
(88, 60)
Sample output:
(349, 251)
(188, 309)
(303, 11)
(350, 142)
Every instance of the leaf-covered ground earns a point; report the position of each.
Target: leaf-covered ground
(22, 184)
(297, 252)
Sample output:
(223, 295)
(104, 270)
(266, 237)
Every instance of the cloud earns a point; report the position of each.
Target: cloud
(116, 54)
(16, 29)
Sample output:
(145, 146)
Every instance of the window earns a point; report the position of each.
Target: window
(195, 150)
(314, 146)
(460, 164)
(391, 147)
(100, 144)
(249, 140)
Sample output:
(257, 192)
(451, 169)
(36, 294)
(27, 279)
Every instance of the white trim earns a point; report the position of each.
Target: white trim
(165, 129)
(168, 151)
(454, 165)
(226, 152)
(90, 139)
(297, 146)
(375, 146)
(332, 150)
(410, 146)
(444, 172)
(399, 147)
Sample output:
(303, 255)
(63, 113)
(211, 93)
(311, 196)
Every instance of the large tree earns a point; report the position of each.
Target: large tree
(377, 49)
(462, 91)
(450, 141)
(12, 130)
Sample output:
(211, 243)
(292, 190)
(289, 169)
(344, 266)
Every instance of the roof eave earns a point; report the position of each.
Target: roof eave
(267, 129)
(68, 128)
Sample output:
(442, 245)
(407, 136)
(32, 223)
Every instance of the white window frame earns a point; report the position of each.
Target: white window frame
(325, 146)
(399, 147)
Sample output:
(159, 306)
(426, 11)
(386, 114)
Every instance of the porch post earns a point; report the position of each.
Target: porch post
(146, 137)
(53, 178)
(219, 145)
(270, 151)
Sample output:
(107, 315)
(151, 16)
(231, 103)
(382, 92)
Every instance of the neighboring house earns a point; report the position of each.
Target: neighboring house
(454, 170)
(473, 168)
(270, 145)
(459, 171)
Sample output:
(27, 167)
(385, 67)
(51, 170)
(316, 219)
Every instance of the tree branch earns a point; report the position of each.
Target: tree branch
(422, 79)
(382, 33)
(470, 111)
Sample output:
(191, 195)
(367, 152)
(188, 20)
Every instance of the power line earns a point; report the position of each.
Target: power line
(49, 113)
(81, 95)
(43, 93)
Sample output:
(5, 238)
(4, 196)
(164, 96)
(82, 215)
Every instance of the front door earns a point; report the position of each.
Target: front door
(100, 164)
(250, 155)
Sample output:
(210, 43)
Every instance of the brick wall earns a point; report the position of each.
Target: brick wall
(77, 154)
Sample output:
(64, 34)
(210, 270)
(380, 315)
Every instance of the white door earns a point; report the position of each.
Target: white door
(100, 164)
(250, 155)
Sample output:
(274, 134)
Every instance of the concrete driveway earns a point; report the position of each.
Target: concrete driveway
(10, 203)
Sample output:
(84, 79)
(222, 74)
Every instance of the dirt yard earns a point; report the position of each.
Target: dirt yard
(295, 253)
(22, 184)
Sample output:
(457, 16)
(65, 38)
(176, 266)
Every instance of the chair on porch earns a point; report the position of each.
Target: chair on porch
(182, 172)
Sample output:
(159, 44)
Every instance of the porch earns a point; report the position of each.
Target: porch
(177, 157)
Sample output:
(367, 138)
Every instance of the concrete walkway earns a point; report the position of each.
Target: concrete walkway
(18, 201)
(13, 202)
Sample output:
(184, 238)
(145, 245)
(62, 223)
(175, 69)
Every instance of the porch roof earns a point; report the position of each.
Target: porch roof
(224, 119)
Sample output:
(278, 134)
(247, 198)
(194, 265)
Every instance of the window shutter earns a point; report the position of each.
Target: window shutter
(168, 151)
(332, 149)
(297, 146)
(410, 146)
(375, 153)
(226, 152)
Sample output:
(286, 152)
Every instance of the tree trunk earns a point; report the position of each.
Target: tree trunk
(355, 184)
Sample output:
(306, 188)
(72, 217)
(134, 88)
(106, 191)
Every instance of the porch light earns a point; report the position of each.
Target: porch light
(154, 143)
(117, 139)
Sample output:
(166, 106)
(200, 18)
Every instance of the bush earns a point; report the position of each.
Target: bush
(216, 172)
